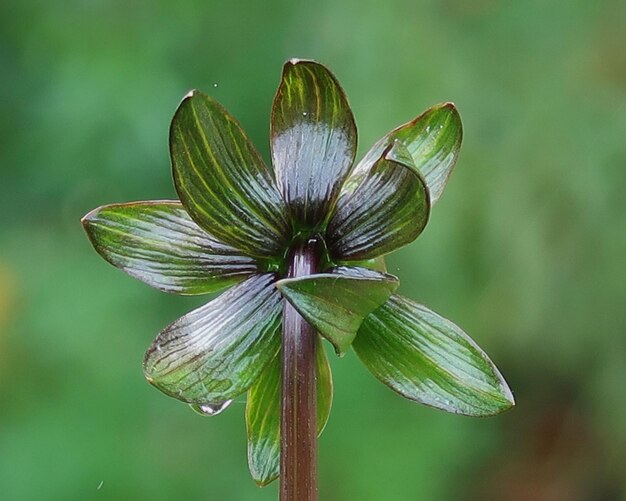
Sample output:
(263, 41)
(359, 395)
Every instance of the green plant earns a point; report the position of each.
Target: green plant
(303, 251)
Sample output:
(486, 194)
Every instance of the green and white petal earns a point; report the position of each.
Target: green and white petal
(263, 415)
(216, 352)
(222, 180)
(430, 360)
(388, 208)
(337, 302)
(433, 140)
(158, 243)
(313, 140)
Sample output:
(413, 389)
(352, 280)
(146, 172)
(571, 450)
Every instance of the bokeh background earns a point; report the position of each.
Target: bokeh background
(525, 250)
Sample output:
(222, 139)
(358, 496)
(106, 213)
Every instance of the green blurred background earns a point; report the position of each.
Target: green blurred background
(525, 250)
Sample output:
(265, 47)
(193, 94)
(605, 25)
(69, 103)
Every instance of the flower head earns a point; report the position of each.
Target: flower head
(237, 221)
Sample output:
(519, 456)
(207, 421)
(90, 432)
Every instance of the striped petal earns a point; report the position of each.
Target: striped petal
(216, 352)
(433, 140)
(313, 140)
(263, 416)
(336, 303)
(222, 181)
(428, 359)
(159, 244)
(389, 208)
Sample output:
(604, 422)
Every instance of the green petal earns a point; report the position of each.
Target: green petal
(313, 140)
(428, 359)
(216, 352)
(222, 181)
(159, 244)
(263, 416)
(263, 424)
(388, 209)
(336, 303)
(433, 139)
(324, 387)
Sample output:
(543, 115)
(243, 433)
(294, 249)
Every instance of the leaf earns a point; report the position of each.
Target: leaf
(430, 360)
(159, 244)
(263, 416)
(336, 303)
(216, 352)
(433, 140)
(313, 140)
(222, 181)
(388, 209)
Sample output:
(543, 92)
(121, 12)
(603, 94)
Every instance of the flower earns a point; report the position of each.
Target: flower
(235, 226)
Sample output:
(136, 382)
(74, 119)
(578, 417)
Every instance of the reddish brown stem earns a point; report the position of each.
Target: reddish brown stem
(298, 437)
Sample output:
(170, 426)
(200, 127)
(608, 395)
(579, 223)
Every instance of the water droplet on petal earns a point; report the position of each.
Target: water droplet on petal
(210, 409)
(428, 128)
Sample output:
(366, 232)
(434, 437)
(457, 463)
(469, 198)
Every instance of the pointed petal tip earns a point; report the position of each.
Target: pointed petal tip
(446, 107)
(506, 405)
(84, 221)
(508, 395)
(507, 402)
(87, 218)
(451, 108)
(90, 216)
(190, 95)
(296, 60)
(87, 222)
(264, 482)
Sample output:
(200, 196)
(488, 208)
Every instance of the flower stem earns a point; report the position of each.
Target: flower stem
(298, 435)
